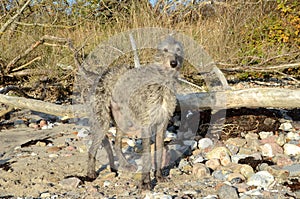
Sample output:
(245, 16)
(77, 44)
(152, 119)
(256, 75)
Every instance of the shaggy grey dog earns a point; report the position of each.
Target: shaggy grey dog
(140, 101)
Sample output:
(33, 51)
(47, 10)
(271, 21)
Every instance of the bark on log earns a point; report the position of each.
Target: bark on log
(65, 111)
(251, 98)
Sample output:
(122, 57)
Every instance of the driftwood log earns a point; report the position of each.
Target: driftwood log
(251, 98)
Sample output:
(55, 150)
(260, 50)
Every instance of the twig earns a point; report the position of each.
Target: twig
(264, 69)
(15, 89)
(28, 63)
(11, 64)
(190, 83)
(44, 25)
(288, 76)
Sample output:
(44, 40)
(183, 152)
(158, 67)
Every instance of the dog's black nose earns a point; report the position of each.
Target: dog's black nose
(173, 63)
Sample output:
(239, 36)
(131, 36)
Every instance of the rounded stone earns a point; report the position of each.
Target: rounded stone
(200, 171)
(291, 149)
(235, 178)
(205, 143)
(293, 136)
(287, 126)
(213, 163)
(261, 179)
(246, 171)
(264, 134)
(221, 153)
(239, 142)
(227, 191)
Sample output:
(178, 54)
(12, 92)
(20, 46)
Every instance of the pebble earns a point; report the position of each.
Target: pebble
(154, 195)
(239, 142)
(253, 144)
(291, 149)
(280, 140)
(53, 155)
(270, 139)
(70, 183)
(287, 126)
(210, 197)
(220, 174)
(131, 142)
(175, 172)
(232, 148)
(200, 171)
(251, 136)
(294, 170)
(261, 179)
(213, 163)
(271, 149)
(106, 183)
(198, 159)
(43, 123)
(45, 195)
(71, 148)
(264, 135)
(293, 136)
(39, 143)
(205, 143)
(254, 192)
(282, 160)
(227, 191)
(246, 151)
(82, 133)
(246, 170)
(281, 174)
(221, 153)
(53, 149)
(235, 178)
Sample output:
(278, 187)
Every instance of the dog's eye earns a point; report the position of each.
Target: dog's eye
(178, 49)
(165, 50)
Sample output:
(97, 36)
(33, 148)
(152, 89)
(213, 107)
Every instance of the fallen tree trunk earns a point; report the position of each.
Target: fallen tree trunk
(251, 98)
(65, 111)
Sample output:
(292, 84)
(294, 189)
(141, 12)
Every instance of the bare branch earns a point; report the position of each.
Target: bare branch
(44, 25)
(11, 64)
(13, 18)
(27, 64)
(260, 69)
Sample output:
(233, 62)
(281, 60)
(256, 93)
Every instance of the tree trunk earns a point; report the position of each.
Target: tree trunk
(250, 98)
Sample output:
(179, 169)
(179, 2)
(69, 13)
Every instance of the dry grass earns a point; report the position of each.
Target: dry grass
(225, 29)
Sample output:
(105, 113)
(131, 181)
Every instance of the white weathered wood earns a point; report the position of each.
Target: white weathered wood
(66, 111)
(251, 98)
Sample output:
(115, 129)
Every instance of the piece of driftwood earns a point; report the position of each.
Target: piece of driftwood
(251, 98)
(65, 111)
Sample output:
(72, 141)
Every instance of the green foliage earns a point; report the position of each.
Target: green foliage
(278, 30)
